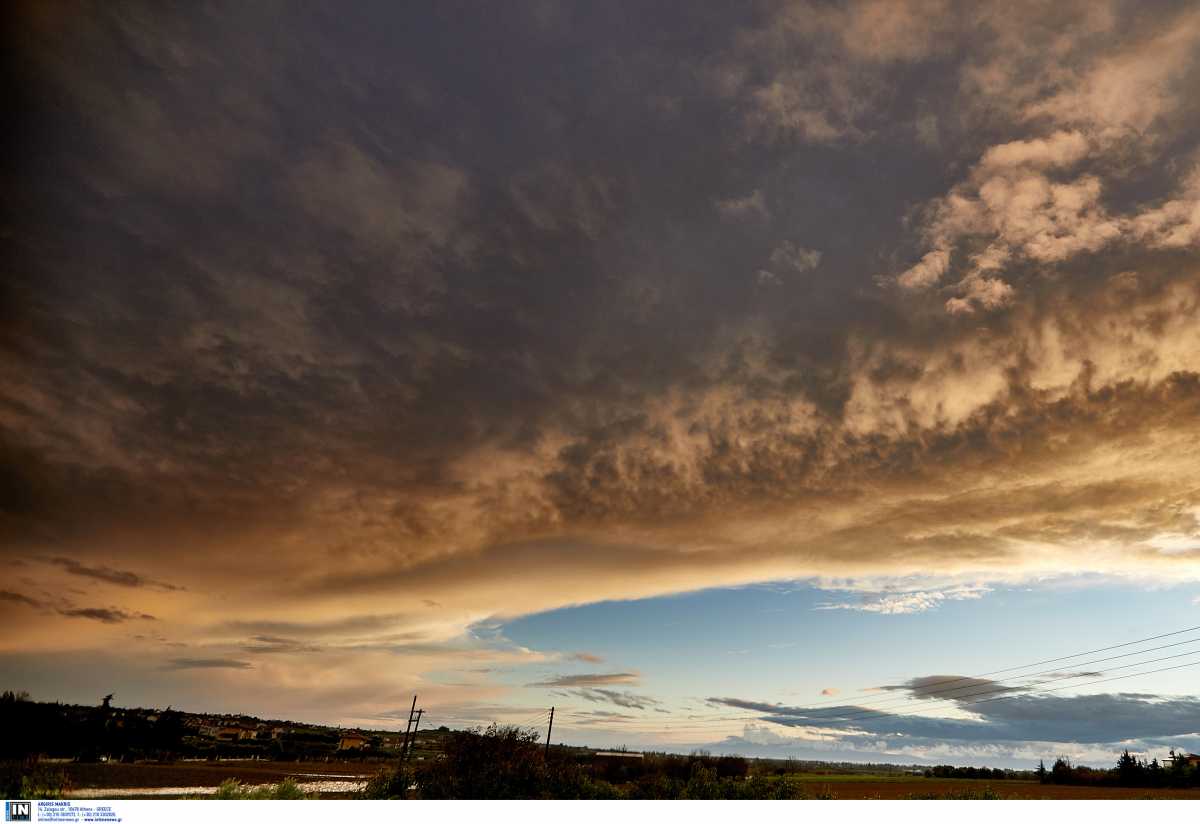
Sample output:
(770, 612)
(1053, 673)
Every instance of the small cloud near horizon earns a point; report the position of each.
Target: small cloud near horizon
(207, 663)
(588, 679)
(587, 658)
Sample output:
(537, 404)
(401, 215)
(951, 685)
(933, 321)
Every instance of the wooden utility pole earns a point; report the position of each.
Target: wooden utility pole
(549, 729)
(404, 745)
(415, 726)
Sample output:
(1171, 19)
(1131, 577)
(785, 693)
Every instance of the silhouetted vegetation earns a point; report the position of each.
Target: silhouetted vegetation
(86, 733)
(496, 763)
(988, 773)
(1179, 770)
(985, 794)
(508, 763)
(29, 779)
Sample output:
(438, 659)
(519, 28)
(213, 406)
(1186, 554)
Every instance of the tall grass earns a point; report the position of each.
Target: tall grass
(233, 790)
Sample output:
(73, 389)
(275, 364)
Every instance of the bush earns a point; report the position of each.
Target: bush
(986, 794)
(496, 763)
(390, 784)
(30, 780)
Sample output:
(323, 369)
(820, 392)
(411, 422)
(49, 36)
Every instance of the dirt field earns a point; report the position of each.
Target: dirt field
(858, 787)
(821, 785)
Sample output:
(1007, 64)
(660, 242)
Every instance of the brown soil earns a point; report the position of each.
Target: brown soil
(210, 774)
(958, 787)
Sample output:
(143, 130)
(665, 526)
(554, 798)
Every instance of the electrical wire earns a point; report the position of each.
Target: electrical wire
(896, 700)
(1018, 690)
(1053, 660)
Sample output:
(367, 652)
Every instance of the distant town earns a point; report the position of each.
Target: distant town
(105, 732)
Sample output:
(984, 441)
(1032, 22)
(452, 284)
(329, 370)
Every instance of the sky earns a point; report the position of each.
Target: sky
(723, 375)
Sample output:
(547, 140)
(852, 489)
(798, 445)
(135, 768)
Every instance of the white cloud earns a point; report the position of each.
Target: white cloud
(928, 272)
(1127, 91)
(1176, 223)
(1062, 148)
(988, 293)
(901, 603)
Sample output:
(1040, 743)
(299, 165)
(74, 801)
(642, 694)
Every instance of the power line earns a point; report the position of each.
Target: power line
(1049, 660)
(895, 700)
(1024, 693)
(1067, 686)
(1031, 688)
(781, 719)
(1014, 693)
(841, 702)
(534, 722)
(634, 720)
(699, 722)
(707, 722)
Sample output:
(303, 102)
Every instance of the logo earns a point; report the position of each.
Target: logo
(18, 811)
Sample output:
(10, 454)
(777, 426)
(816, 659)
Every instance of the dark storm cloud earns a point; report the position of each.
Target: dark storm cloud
(334, 314)
(394, 237)
(373, 278)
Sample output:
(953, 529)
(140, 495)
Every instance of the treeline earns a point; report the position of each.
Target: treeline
(508, 763)
(83, 733)
(989, 773)
(1130, 771)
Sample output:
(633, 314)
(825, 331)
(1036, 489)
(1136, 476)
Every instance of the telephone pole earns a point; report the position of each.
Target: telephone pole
(404, 745)
(415, 726)
(549, 729)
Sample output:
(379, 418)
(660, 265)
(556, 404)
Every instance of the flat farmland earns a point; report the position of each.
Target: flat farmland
(863, 786)
(342, 778)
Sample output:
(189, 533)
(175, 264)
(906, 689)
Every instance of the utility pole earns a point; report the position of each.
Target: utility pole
(415, 726)
(549, 729)
(404, 745)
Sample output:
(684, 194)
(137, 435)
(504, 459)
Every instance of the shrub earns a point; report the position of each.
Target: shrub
(986, 794)
(28, 779)
(389, 784)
